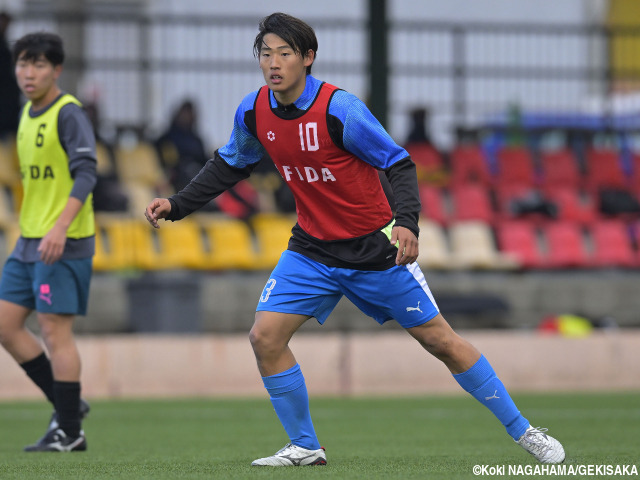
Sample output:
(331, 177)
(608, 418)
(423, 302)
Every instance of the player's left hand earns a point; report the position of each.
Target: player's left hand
(52, 245)
(407, 244)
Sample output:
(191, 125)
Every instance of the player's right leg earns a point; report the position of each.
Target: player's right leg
(16, 303)
(298, 289)
(24, 347)
(16, 339)
(285, 383)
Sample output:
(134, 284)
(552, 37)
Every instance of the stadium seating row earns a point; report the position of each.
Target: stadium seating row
(516, 166)
(215, 242)
(201, 242)
(522, 244)
(478, 202)
(469, 219)
(478, 189)
(204, 242)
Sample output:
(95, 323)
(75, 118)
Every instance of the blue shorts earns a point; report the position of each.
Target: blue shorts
(303, 286)
(61, 288)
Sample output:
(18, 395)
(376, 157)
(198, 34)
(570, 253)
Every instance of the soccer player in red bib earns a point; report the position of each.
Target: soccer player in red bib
(329, 148)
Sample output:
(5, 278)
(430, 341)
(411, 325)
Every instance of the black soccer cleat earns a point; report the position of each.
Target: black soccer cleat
(58, 441)
(84, 411)
(53, 427)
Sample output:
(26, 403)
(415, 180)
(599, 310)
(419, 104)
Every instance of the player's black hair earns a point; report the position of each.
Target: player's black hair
(33, 45)
(298, 34)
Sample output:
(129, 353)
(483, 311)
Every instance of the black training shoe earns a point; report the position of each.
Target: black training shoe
(84, 411)
(58, 441)
(54, 426)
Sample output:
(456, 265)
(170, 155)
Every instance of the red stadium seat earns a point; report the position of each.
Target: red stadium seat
(471, 202)
(572, 205)
(604, 170)
(515, 167)
(635, 174)
(521, 201)
(429, 163)
(560, 170)
(433, 207)
(468, 165)
(565, 245)
(612, 244)
(519, 240)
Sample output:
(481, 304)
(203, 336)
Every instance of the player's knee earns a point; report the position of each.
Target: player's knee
(5, 335)
(443, 348)
(441, 345)
(258, 339)
(8, 331)
(263, 342)
(55, 332)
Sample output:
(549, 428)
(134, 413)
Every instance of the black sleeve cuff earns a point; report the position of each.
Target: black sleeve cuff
(174, 213)
(404, 182)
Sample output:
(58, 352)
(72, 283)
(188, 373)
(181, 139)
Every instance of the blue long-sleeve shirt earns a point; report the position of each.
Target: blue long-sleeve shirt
(362, 134)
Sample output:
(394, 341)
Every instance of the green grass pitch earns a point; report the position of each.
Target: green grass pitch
(440, 437)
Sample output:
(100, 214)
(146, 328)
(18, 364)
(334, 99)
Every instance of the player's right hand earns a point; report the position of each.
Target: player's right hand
(157, 209)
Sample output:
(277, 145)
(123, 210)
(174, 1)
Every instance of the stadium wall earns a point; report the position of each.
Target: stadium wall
(127, 366)
(225, 302)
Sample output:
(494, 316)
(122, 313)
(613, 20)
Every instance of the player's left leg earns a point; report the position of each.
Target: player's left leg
(402, 293)
(16, 304)
(471, 370)
(474, 374)
(24, 347)
(57, 333)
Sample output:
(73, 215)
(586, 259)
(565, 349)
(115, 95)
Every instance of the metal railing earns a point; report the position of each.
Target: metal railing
(138, 67)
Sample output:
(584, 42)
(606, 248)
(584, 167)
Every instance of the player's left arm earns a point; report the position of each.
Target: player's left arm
(77, 139)
(365, 137)
(404, 183)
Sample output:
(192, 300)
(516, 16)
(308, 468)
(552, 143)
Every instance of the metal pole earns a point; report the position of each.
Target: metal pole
(378, 60)
(70, 19)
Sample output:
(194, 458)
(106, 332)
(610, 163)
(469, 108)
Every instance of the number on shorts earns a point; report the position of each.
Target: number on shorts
(267, 289)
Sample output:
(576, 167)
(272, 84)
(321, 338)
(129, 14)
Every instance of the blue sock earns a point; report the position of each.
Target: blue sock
(483, 384)
(291, 402)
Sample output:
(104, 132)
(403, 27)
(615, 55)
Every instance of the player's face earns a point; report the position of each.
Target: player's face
(284, 70)
(37, 79)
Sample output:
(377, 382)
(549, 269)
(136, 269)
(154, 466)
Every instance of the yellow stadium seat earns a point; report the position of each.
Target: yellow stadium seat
(7, 216)
(272, 233)
(181, 245)
(116, 246)
(101, 257)
(140, 195)
(9, 172)
(230, 244)
(139, 164)
(146, 254)
(10, 234)
(104, 163)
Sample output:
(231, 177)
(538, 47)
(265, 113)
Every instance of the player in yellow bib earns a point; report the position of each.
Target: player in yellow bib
(50, 268)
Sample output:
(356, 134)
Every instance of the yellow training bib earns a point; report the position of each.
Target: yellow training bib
(47, 182)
